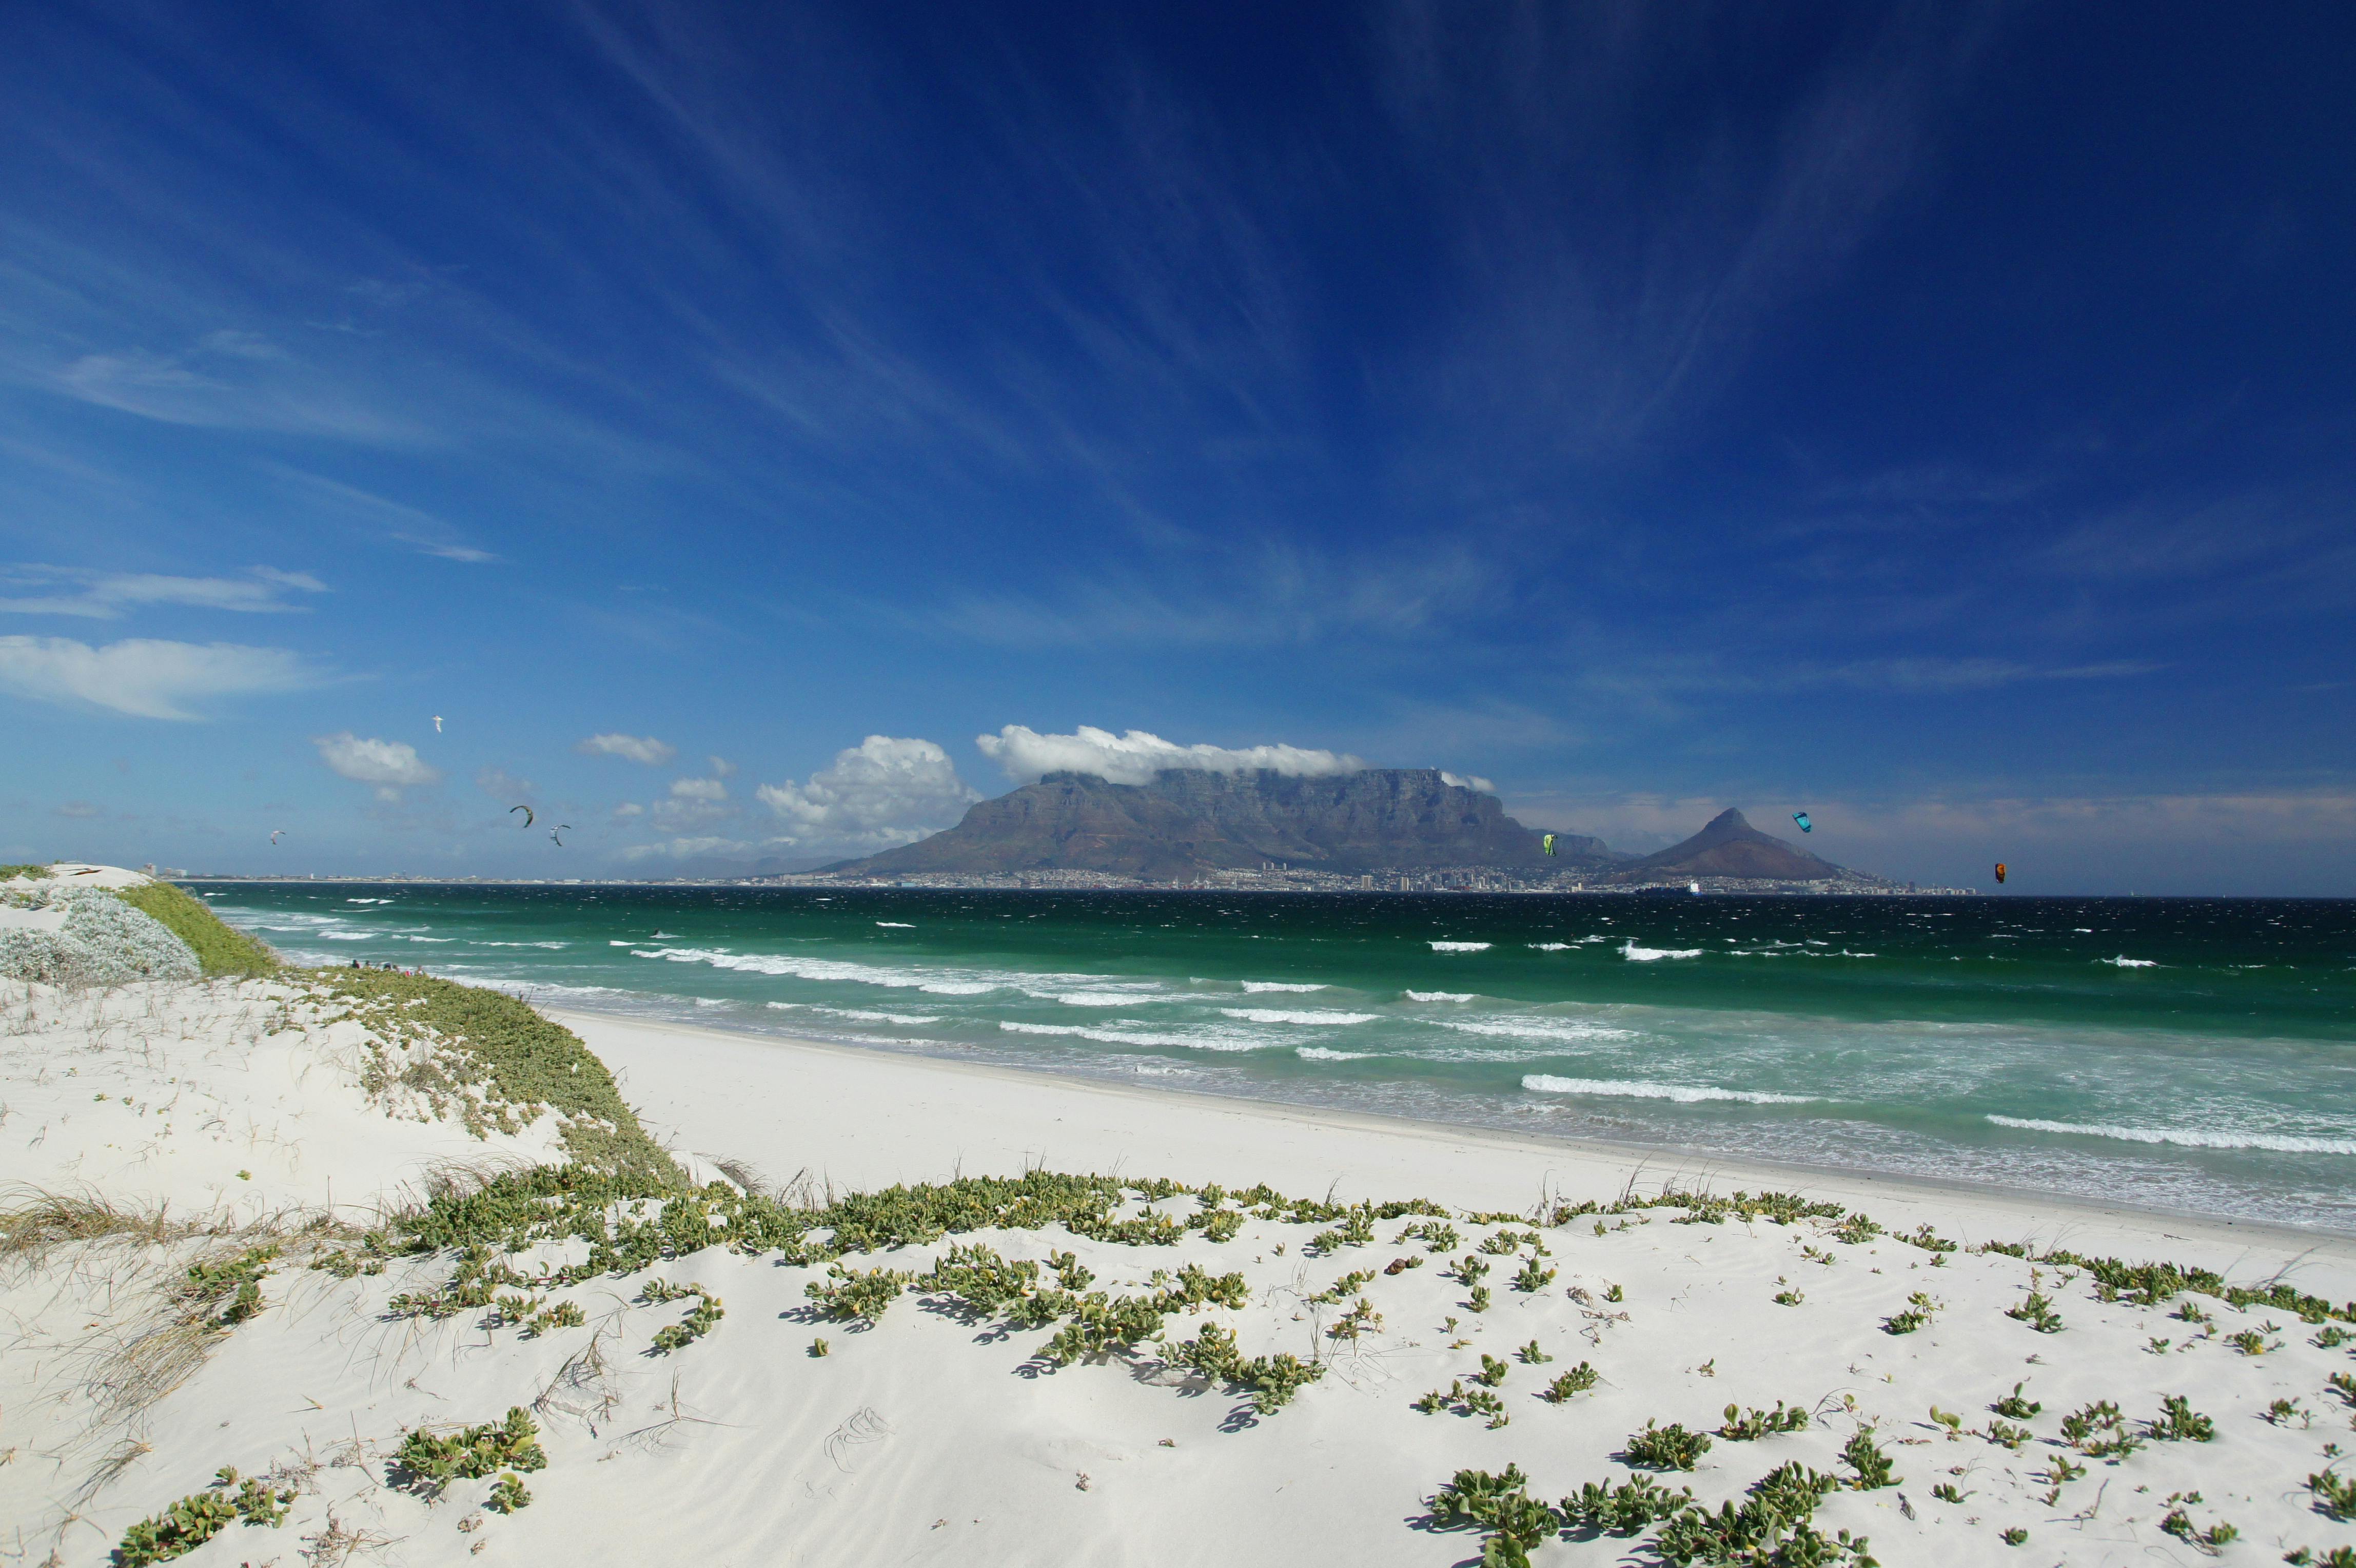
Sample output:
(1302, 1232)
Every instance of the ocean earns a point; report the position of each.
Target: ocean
(2189, 1054)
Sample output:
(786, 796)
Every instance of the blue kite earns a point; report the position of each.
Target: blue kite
(1802, 818)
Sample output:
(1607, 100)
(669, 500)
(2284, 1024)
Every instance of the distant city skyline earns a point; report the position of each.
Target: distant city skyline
(764, 433)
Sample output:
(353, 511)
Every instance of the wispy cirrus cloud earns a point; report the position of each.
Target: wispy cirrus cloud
(403, 524)
(643, 748)
(107, 595)
(1928, 674)
(1278, 593)
(230, 381)
(147, 677)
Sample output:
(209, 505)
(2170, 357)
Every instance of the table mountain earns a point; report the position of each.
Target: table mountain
(1189, 821)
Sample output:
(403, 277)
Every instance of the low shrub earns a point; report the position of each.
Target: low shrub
(198, 1517)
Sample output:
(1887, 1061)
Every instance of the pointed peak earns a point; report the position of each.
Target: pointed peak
(1728, 817)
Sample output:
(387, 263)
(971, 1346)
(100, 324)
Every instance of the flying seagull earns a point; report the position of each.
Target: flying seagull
(524, 810)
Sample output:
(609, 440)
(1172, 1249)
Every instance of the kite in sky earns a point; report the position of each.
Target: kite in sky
(437, 723)
(1802, 818)
(2000, 872)
(278, 834)
(556, 830)
(1546, 843)
(524, 810)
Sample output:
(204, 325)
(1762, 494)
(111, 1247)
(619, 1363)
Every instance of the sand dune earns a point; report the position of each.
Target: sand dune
(937, 1432)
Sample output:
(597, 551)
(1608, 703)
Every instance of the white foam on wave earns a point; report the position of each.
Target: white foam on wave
(1320, 1054)
(1099, 998)
(1461, 947)
(2281, 1143)
(2123, 962)
(1440, 996)
(1636, 954)
(1763, 952)
(346, 936)
(486, 944)
(896, 925)
(1137, 1036)
(1282, 1016)
(860, 1015)
(1553, 947)
(1638, 1089)
(1528, 1028)
(932, 981)
(1259, 985)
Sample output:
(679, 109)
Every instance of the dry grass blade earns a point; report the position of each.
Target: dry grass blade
(744, 1173)
(587, 1388)
(150, 1364)
(34, 1220)
(106, 1472)
(337, 1544)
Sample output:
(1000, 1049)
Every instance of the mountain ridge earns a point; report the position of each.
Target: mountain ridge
(1728, 846)
(1190, 821)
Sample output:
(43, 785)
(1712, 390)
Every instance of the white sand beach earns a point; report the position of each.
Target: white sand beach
(934, 1429)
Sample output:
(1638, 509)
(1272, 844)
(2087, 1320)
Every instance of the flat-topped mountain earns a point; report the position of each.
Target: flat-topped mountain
(1188, 821)
(1729, 847)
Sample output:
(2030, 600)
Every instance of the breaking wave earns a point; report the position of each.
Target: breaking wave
(1553, 1029)
(1140, 1037)
(1280, 1015)
(2281, 1143)
(1636, 954)
(1461, 947)
(1636, 1088)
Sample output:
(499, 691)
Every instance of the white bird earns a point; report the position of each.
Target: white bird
(437, 723)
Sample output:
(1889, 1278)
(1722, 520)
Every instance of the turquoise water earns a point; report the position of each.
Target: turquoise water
(2183, 1053)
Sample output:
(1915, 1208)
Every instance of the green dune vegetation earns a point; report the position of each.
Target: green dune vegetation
(488, 1061)
(218, 946)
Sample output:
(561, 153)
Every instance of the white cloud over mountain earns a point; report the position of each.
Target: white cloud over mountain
(1135, 757)
(636, 749)
(884, 791)
(143, 677)
(390, 764)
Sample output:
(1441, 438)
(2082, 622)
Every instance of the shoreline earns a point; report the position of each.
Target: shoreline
(1603, 1168)
(1038, 1365)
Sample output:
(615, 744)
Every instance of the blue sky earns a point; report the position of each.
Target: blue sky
(1937, 418)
